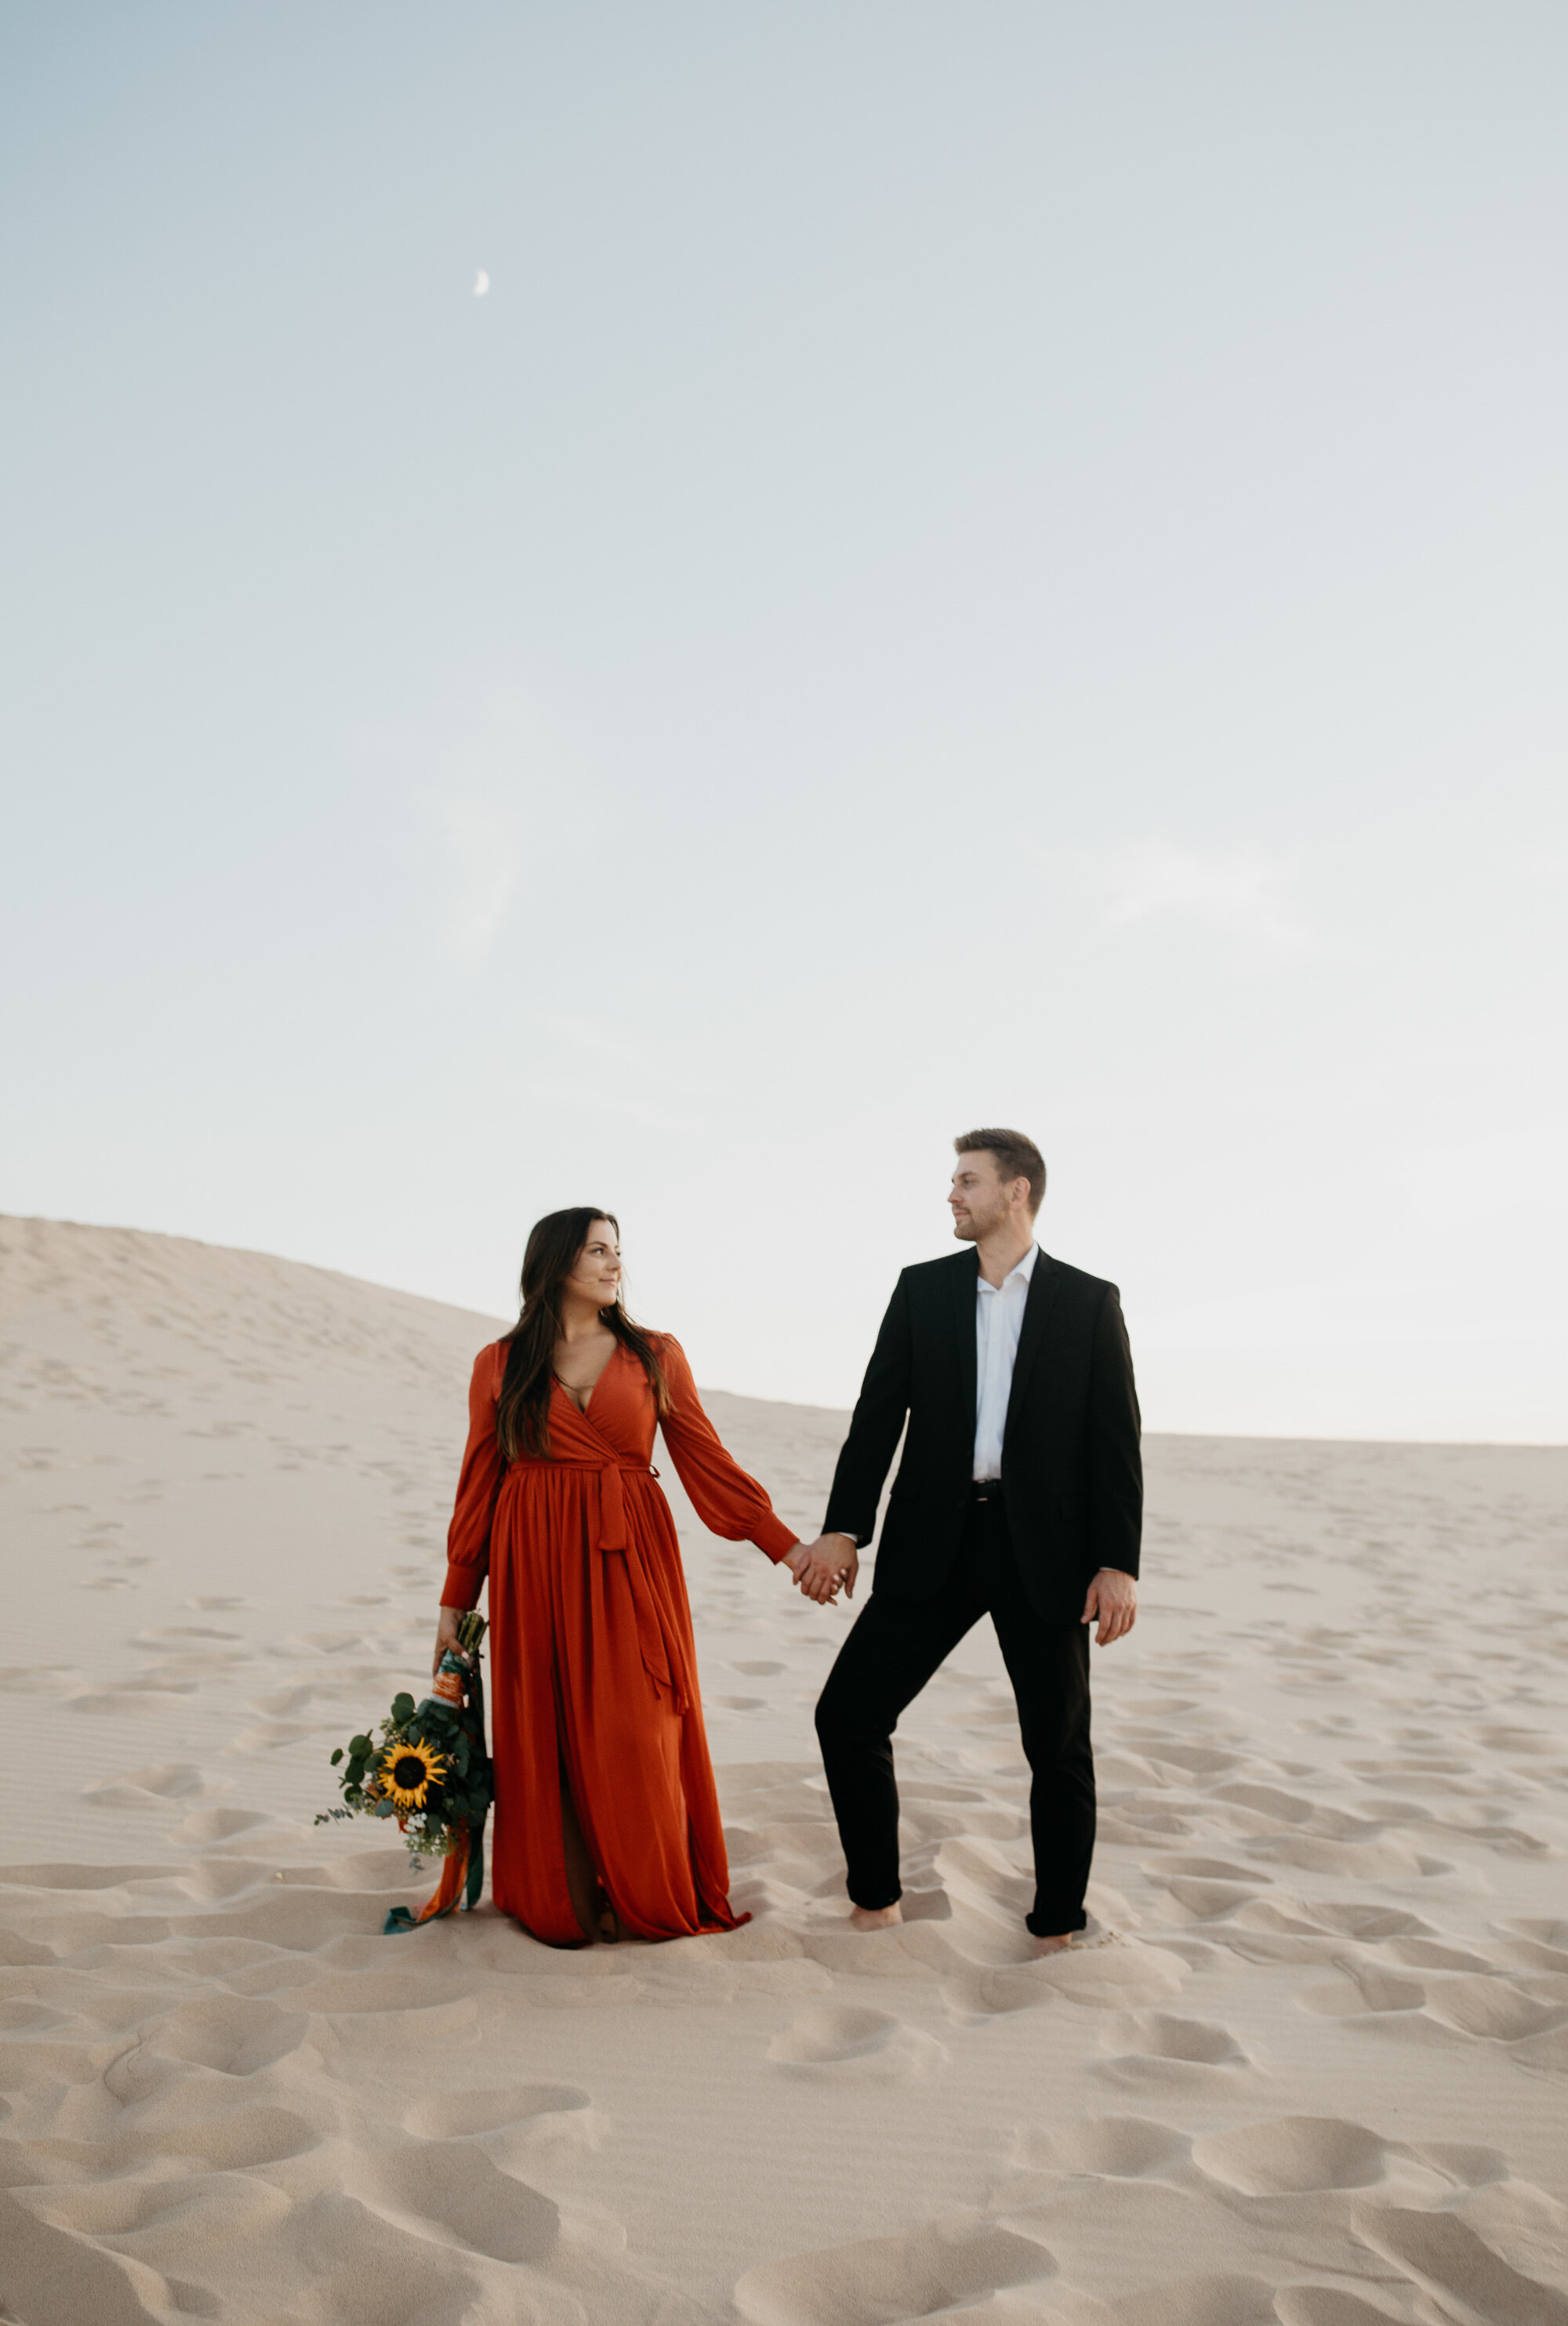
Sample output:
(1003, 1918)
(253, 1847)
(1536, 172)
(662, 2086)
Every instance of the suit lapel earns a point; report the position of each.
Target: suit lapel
(966, 1276)
(1043, 1286)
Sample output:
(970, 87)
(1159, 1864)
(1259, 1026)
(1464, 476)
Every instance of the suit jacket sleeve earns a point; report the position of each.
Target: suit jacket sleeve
(1115, 1463)
(874, 1427)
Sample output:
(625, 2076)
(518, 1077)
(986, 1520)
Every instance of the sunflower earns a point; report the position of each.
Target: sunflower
(407, 1771)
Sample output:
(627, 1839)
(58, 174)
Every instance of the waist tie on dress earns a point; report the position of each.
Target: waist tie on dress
(658, 1633)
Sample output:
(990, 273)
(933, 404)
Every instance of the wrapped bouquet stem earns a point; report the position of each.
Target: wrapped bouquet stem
(430, 1770)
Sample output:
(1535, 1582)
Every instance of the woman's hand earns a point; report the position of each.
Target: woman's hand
(821, 1567)
(446, 1636)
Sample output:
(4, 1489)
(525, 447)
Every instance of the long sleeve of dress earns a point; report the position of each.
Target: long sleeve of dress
(468, 1536)
(724, 1497)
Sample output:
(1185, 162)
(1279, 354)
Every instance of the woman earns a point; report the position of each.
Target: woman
(606, 1816)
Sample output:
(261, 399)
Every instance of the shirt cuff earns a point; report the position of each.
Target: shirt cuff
(463, 1584)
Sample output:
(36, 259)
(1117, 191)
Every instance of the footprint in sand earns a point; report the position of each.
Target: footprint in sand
(282, 1701)
(268, 1739)
(1295, 2153)
(364, 2269)
(217, 1825)
(153, 1787)
(1532, 1945)
(451, 2115)
(849, 2040)
(235, 2034)
(1201, 1899)
(1268, 1802)
(1361, 1990)
(176, 1632)
(154, 2217)
(931, 2270)
(222, 1878)
(982, 1881)
(1450, 2262)
(1214, 2301)
(1112, 2148)
(1356, 1917)
(1430, 1954)
(1211, 1869)
(456, 2186)
(41, 1680)
(238, 2140)
(78, 1877)
(372, 1869)
(1325, 2305)
(398, 1988)
(23, 2018)
(1114, 1977)
(524, 2118)
(434, 2027)
(1491, 2008)
(1164, 2049)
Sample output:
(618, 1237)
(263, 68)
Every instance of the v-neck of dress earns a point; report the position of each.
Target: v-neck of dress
(583, 1411)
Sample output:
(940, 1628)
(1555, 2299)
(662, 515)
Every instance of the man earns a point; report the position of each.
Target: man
(1019, 1494)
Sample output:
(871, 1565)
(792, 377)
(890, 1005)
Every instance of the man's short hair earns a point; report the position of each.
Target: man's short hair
(1014, 1156)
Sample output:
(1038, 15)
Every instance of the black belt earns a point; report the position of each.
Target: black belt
(986, 1490)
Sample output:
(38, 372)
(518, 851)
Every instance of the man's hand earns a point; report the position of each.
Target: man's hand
(820, 1566)
(1113, 1604)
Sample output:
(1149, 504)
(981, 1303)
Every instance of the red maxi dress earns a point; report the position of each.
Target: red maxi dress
(592, 1665)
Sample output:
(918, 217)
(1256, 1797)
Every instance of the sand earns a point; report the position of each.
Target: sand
(1318, 2074)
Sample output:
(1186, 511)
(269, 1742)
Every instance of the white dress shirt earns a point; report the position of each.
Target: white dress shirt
(998, 1322)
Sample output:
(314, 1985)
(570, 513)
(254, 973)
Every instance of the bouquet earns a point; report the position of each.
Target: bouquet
(430, 1771)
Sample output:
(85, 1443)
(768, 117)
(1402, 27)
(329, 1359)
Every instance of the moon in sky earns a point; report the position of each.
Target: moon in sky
(481, 284)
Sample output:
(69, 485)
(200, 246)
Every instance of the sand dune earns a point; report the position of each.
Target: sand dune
(1316, 2076)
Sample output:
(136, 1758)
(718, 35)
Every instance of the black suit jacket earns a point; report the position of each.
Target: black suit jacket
(1073, 1479)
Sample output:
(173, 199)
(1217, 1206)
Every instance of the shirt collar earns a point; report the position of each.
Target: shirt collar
(1025, 1269)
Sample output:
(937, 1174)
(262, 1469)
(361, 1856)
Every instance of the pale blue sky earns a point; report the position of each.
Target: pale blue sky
(977, 562)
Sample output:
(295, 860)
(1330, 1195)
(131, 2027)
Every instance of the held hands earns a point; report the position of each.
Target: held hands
(820, 1566)
(1113, 1604)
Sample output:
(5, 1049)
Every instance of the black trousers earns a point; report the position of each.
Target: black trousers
(891, 1652)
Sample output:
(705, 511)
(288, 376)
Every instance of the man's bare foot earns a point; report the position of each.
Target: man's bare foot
(1055, 1945)
(876, 1918)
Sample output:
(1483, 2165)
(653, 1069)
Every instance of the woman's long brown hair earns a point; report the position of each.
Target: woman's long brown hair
(553, 1248)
